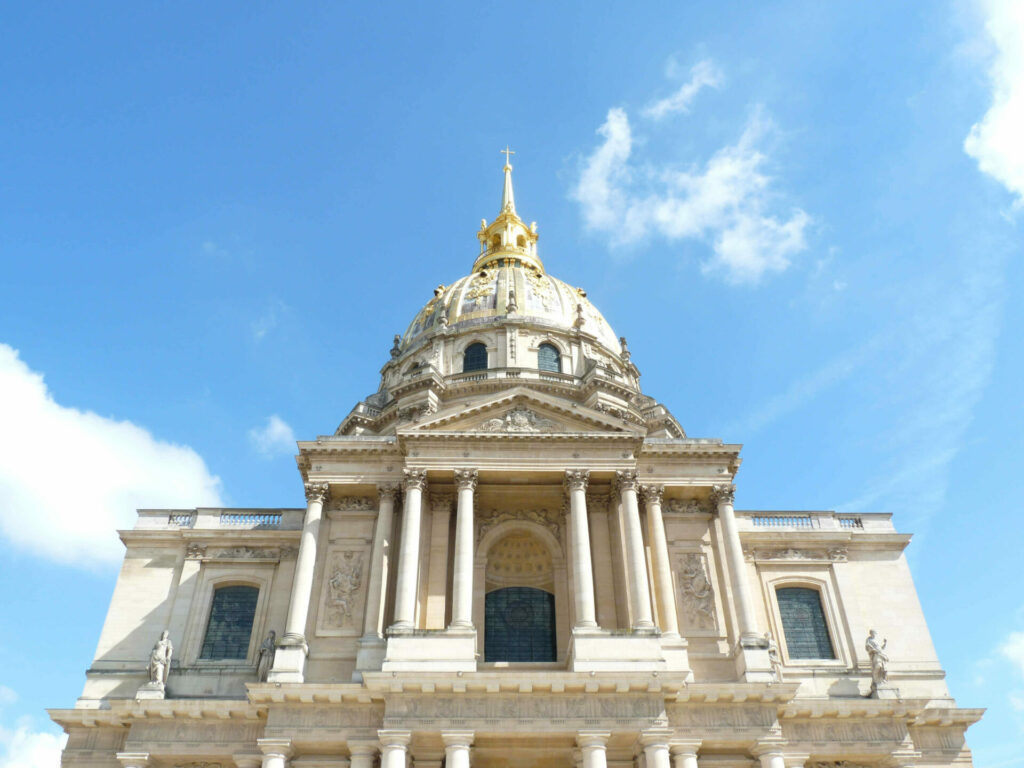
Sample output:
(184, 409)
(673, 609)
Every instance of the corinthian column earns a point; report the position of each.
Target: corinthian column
(462, 575)
(373, 624)
(663, 591)
(723, 496)
(583, 569)
(305, 562)
(409, 558)
(636, 565)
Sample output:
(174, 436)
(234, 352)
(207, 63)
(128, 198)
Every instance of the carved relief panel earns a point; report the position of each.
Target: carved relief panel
(343, 589)
(698, 614)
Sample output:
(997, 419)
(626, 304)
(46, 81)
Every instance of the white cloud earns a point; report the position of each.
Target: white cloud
(703, 74)
(1013, 650)
(995, 142)
(274, 438)
(69, 478)
(726, 203)
(27, 748)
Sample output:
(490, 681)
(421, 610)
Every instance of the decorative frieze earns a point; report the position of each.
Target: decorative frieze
(686, 507)
(206, 552)
(862, 731)
(734, 716)
(760, 553)
(538, 711)
(519, 419)
(488, 518)
(352, 504)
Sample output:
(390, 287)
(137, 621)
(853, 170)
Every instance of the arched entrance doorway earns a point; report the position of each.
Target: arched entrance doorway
(519, 600)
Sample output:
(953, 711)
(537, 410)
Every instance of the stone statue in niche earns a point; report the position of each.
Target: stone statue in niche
(344, 585)
(160, 660)
(879, 661)
(773, 656)
(698, 596)
(266, 659)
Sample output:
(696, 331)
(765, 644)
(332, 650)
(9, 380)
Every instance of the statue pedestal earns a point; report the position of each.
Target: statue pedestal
(150, 691)
(884, 692)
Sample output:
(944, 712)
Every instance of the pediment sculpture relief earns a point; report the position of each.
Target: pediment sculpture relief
(519, 419)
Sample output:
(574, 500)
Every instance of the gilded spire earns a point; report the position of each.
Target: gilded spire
(508, 200)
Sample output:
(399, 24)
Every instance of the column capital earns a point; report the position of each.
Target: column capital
(652, 494)
(457, 738)
(387, 491)
(656, 737)
(684, 746)
(723, 494)
(626, 480)
(414, 479)
(133, 759)
(592, 739)
(275, 747)
(393, 739)
(576, 479)
(363, 748)
(466, 479)
(317, 492)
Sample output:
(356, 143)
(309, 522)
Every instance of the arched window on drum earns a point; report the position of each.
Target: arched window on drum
(475, 358)
(549, 358)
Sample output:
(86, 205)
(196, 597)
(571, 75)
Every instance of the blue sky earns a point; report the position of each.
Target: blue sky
(805, 217)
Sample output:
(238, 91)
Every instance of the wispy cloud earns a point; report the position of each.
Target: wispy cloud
(703, 74)
(726, 203)
(995, 141)
(807, 387)
(108, 468)
(275, 438)
(269, 320)
(940, 364)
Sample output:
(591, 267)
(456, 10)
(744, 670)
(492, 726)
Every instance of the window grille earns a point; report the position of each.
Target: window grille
(230, 625)
(519, 625)
(475, 358)
(803, 623)
(548, 358)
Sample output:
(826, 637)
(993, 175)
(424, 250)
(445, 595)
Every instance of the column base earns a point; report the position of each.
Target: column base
(753, 665)
(289, 663)
(603, 651)
(677, 657)
(369, 656)
(451, 650)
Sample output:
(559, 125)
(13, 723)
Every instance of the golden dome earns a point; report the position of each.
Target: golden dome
(509, 283)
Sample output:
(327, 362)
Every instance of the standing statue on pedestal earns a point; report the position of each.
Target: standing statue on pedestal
(879, 661)
(773, 656)
(160, 660)
(266, 659)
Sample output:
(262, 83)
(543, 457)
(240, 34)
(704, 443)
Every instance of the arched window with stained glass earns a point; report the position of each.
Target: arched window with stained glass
(230, 626)
(475, 358)
(803, 623)
(549, 358)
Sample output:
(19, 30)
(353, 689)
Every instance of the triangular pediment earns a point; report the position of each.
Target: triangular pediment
(521, 411)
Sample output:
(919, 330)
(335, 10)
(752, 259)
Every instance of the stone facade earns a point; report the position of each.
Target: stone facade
(659, 630)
